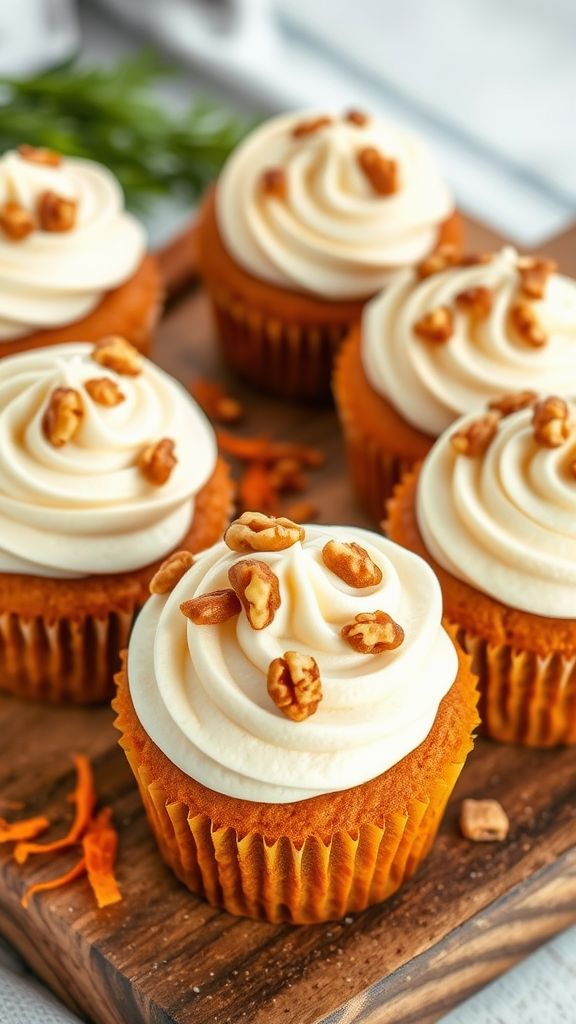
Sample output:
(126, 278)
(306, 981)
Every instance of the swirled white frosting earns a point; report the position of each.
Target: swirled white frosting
(200, 691)
(332, 235)
(50, 279)
(431, 384)
(505, 522)
(85, 507)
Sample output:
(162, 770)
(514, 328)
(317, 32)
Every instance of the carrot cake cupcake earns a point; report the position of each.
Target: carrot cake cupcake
(440, 342)
(106, 467)
(73, 262)
(493, 509)
(310, 217)
(296, 717)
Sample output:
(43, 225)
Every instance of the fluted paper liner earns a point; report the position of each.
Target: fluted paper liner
(319, 876)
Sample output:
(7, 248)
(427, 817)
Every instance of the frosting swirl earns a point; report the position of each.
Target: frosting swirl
(430, 384)
(200, 691)
(505, 522)
(85, 507)
(332, 234)
(50, 279)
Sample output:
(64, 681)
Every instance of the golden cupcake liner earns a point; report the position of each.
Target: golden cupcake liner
(63, 660)
(281, 357)
(525, 697)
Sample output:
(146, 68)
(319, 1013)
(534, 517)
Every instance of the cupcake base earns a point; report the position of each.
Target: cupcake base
(526, 663)
(132, 310)
(281, 341)
(310, 861)
(60, 639)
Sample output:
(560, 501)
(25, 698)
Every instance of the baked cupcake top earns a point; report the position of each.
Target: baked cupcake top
(101, 455)
(65, 239)
(447, 337)
(330, 205)
(291, 661)
(496, 504)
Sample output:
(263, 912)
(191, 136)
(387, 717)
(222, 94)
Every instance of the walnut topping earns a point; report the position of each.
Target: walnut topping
(40, 155)
(294, 685)
(525, 322)
(373, 633)
(255, 531)
(15, 222)
(442, 258)
(382, 172)
(513, 402)
(104, 391)
(56, 213)
(351, 563)
(534, 273)
(477, 302)
(171, 572)
(475, 438)
(62, 417)
(117, 354)
(211, 609)
(483, 821)
(437, 325)
(258, 589)
(157, 461)
(274, 182)
(304, 128)
(551, 422)
(356, 117)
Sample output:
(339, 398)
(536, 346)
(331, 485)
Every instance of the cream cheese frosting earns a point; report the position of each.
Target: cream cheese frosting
(431, 384)
(331, 234)
(85, 507)
(505, 522)
(200, 691)
(50, 278)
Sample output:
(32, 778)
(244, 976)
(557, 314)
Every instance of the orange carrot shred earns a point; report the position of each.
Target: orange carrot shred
(54, 883)
(28, 828)
(256, 490)
(215, 401)
(85, 798)
(12, 805)
(262, 449)
(100, 844)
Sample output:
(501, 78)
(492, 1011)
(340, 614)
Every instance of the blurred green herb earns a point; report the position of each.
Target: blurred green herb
(108, 114)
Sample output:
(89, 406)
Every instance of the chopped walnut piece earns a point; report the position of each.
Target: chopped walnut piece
(294, 685)
(475, 438)
(15, 222)
(115, 353)
(56, 213)
(483, 821)
(534, 273)
(356, 117)
(513, 402)
(212, 609)
(525, 322)
(104, 391)
(274, 182)
(40, 155)
(477, 302)
(171, 572)
(373, 633)
(255, 531)
(551, 422)
(442, 258)
(437, 325)
(351, 563)
(62, 417)
(381, 171)
(258, 589)
(304, 128)
(157, 461)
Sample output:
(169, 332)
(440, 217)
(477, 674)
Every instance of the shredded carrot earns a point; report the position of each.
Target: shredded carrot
(262, 449)
(12, 805)
(302, 512)
(215, 401)
(28, 828)
(256, 490)
(85, 798)
(100, 844)
(55, 883)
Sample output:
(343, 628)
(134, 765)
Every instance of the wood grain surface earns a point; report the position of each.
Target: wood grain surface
(163, 956)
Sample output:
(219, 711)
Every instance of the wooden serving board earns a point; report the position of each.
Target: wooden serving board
(162, 956)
